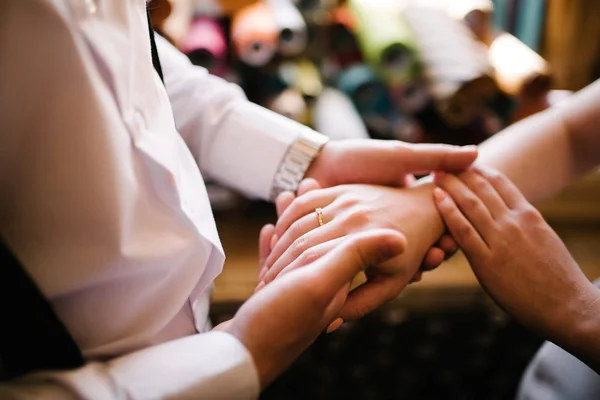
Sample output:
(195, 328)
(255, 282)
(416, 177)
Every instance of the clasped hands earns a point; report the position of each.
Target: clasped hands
(380, 227)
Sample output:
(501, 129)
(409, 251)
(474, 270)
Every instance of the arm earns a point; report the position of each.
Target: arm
(234, 141)
(248, 147)
(544, 153)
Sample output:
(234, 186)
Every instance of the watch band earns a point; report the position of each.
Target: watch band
(296, 161)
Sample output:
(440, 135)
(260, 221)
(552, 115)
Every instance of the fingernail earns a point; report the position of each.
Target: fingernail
(274, 240)
(259, 286)
(439, 195)
(335, 325)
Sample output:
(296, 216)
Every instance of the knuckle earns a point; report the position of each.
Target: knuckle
(360, 216)
(310, 256)
(300, 202)
(299, 246)
(470, 202)
(531, 215)
(348, 200)
(495, 177)
(464, 231)
(510, 225)
(479, 184)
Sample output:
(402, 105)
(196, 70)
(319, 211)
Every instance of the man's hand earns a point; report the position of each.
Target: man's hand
(350, 209)
(279, 322)
(385, 162)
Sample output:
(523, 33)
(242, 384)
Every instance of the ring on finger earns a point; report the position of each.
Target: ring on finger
(319, 212)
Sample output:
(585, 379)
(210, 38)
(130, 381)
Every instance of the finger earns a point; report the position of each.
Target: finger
(264, 242)
(292, 244)
(433, 259)
(471, 206)
(283, 201)
(448, 245)
(386, 162)
(307, 185)
(371, 295)
(307, 257)
(485, 191)
(264, 247)
(424, 158)
(299, 227)
(461, 229)
(357, 253)
(335, 325)
(511, 195)
(304, 205)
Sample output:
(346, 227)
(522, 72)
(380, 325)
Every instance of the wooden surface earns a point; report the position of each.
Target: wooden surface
(575, 215)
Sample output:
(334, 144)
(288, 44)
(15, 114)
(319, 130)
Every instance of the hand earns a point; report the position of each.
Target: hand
(385, 162)
(350, 209)
(278, 323)
(518, 259)
(442, 250)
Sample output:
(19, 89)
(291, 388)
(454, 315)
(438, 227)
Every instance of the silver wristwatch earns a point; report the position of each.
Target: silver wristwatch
(296, 161)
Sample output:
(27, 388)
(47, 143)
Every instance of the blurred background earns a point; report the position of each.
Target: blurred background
(450, 71)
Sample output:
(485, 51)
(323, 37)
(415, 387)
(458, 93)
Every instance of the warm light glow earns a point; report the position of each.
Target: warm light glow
(514, 63)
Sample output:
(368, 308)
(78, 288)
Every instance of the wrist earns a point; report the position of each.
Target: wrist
(581, 332)
(301, 156)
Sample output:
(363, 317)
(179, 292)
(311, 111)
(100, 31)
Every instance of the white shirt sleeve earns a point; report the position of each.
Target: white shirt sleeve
(234, 141)
(212, 365)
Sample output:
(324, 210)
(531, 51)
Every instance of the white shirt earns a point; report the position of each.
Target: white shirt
(102, 199)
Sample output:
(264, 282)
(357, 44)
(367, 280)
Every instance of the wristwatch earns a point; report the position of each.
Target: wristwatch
(296, 161)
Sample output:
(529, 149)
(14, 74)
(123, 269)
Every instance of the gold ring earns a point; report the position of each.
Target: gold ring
(319, 212)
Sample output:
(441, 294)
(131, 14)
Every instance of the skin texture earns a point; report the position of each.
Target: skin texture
(518, 259)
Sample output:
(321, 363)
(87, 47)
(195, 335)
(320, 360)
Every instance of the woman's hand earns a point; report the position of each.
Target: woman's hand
(351, 209)
(518, 259)
(444, 248)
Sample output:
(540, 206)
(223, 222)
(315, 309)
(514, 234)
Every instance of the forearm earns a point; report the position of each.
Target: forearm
(544, 153)
(235, 142)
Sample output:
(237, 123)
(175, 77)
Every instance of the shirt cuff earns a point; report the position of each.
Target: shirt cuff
(213, 365)
(253, 146)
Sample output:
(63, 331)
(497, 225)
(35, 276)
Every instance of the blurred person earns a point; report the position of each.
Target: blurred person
(102, 199)
(525, 267)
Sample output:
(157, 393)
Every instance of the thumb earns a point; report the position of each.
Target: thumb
(357, 253)
(424, 158)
